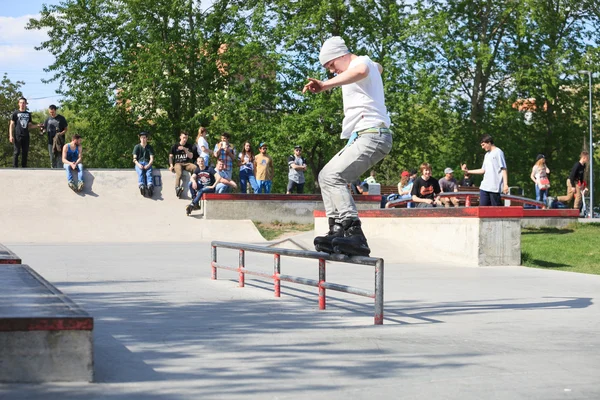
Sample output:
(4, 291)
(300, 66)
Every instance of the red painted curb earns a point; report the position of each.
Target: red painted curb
(280, 197)
(469, 212)
(46, 324)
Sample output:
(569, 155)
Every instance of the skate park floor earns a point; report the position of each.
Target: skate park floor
(165, 330)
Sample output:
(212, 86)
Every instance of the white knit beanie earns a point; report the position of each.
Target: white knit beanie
(333, 47)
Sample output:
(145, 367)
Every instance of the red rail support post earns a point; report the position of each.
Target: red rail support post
(276, 273)
(213, 274)
(242, 268)
(468, 201)
(322, 299)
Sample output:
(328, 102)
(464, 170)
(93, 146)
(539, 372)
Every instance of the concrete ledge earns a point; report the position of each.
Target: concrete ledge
(554, 218)
(8, 257)
(44, 336)
(272, 207)
(466, 236)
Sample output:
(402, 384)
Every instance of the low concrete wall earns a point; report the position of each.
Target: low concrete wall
(46, 356)
(466, 236)
(555, 218)
(273, 207)
(44, 336)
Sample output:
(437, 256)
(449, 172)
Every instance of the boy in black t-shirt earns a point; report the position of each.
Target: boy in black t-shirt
(56, 126)
(425, 189)
(181, 158)
(18, 133)
(202, 181)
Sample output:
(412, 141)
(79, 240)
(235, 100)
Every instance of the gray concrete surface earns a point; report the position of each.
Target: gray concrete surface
(44, 336)
(38, 207)
(164, 330)
(298, 211)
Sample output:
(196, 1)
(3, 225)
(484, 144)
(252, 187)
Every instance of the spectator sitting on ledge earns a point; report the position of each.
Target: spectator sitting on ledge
(223, 182)
(404, 190)
(425, 189)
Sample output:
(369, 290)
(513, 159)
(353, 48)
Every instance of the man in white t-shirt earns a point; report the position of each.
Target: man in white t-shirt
(366, 127)
(495, 176)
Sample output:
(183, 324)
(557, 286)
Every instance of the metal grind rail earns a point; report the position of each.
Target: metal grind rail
(321, 283)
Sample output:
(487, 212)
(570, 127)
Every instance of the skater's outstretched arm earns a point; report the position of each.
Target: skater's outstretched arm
(351, 75)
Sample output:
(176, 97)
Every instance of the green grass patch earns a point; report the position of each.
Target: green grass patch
(574, 248)
(276, 229)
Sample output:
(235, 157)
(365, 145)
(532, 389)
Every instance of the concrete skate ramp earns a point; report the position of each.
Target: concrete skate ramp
(37, 206)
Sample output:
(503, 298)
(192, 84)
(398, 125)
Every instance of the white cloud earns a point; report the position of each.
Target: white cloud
(12, 31)
(21, 62)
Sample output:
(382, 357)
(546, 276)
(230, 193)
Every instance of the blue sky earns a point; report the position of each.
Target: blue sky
(19, 60)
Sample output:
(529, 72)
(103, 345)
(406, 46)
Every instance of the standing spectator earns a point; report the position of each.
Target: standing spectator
(71, 157)
(369, 139)
(448, 184)
(223, 182)
(18, 133)
(202, 181)
(466, 181)
(55, 126)
(371, 178)
(575, 182)
(143, 157)
(425, 189)
(181, 158)
(202, 146)
(539, 176)
(263, 165)
(495, 176)
(297, 165)
(246, 163)
(225, 152)
(404, 191)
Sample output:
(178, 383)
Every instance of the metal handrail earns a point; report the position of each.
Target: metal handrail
(321, 283)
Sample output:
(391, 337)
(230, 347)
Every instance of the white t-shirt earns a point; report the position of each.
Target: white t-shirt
(493, 164)
(203, 142)
(364, 103)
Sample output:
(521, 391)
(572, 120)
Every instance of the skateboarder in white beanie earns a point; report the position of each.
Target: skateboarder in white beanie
(366, 127)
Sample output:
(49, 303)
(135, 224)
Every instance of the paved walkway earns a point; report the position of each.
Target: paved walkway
(164, 330)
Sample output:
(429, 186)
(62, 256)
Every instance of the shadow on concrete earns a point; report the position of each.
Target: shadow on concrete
(412, 310)
(166, 336)
(88, 188)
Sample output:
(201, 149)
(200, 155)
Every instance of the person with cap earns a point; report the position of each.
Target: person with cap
(448, 184)
(143, 157)
(366, 128)
(297, 165)
(55, 126)
(263, 167)
(495, 176)
(18, 133)
(404, 189)
(539, 176)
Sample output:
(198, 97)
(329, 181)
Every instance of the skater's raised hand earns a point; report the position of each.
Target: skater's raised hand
(314, 86)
